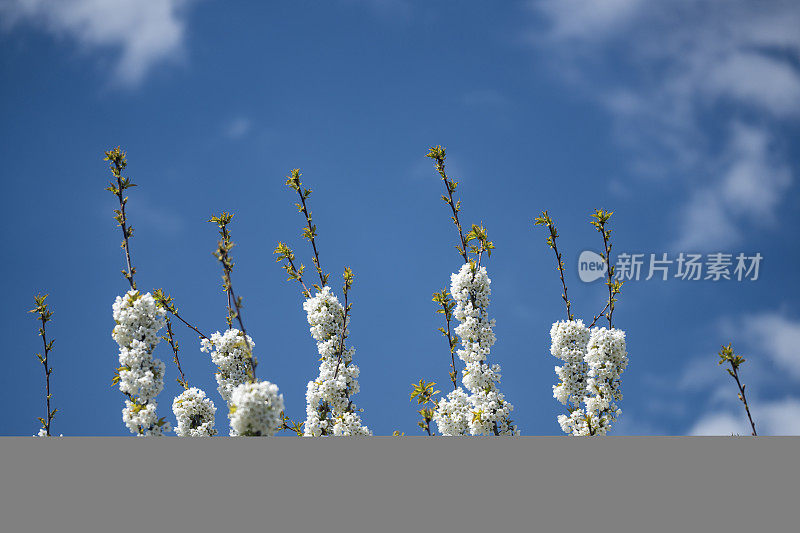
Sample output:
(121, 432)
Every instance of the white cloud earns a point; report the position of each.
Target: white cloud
(776, 337)
(143, 32)
(660, 68)
(754, 178)
(720, 424)
(238, 128)
(773, 418)
(587, 19)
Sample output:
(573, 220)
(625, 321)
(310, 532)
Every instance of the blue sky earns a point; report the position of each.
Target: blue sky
(683, 118)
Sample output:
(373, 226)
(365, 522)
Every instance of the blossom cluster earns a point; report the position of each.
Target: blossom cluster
(194, 413)
(231, 353)
(590, 378)
(141, 377)
(569, 339)
(255, 409)
(329, 409)
(484, 411)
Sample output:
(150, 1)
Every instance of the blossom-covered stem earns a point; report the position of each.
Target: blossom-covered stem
(437, 153)
(138, 319)
(222, 254)
(170, 338)
(117, 163)
(348, 284)
(44, 316)
(546, 220)
(726, 355)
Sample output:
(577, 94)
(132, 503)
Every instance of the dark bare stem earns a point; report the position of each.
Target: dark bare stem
(439, 156)
(552, 241)
(174, 346)
(116, 157)
(597, 317)
(311, 233)
(450, 344)
(44, 317)
(607, 247)
(238, 305)
(47, 372)
(188, 325)
(299, 276)
(735, 375)
(554, 235)
(344, 333)
(227, 267)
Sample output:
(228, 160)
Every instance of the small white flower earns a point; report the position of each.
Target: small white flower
(194, 413)
(255, 409)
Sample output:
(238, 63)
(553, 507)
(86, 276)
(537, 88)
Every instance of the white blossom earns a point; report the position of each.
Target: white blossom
(255, 409)
(141, 377)
(607, 358)
(194, 413)
(590, 377)
(484, 411)
(329, 408)
(568, 343)
(231, 353)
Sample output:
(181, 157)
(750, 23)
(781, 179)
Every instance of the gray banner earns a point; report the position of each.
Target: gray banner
(642, 484)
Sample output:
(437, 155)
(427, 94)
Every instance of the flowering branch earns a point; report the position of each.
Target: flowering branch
(138, 320)
(117, 163)
(484, 410)
(726, 355)
(45, 316)
(222, 254)
(545, 220)
(329, 407)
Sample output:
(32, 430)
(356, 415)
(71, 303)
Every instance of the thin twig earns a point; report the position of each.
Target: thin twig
(44, 316)
(437, 153)
(348, 283)
(597, 317)
(116, 157)
(726, 354)
(744, 400)
(170, 338)
(546, 220)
